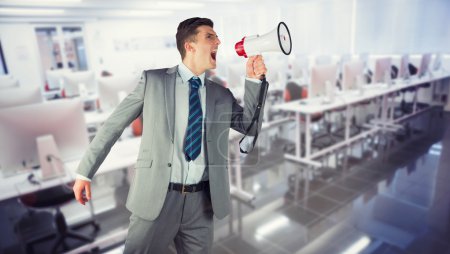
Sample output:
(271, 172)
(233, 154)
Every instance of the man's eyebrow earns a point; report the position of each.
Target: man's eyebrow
(210, 33)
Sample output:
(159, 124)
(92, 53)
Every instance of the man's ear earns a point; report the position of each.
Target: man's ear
(188, 46)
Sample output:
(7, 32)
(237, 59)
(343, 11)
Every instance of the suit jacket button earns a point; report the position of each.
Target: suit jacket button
(169, 164)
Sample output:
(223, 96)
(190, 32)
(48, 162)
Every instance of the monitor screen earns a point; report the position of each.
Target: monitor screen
(437, 63)
(8, 81)
(364, 57)
(424, 64)
(21, 126)
(382, 66)
(319, 77)
(111, 88)
(17, 96)
(73, 81)
(55, 78)
(352, 70)
(345, 58)
(276, 72)
(300, 68)
(323, 60)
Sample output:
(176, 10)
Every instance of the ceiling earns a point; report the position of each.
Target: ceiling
(83, 10)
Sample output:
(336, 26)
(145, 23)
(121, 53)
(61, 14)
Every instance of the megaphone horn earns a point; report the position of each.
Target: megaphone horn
(277, 40)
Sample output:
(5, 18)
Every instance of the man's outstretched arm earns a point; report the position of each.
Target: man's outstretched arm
(128, 110)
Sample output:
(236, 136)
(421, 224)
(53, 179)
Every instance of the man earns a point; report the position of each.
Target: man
(181, 177)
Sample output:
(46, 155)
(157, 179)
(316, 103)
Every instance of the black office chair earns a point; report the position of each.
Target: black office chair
(322, 139)
(53, 197)
(34, 227)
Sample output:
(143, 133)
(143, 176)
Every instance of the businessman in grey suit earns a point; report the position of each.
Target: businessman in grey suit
(181, 177)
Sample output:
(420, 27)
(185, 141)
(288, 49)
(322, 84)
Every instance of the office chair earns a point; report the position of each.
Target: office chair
(53, 197)
(34, 227)
(407, 107)
(294, 91)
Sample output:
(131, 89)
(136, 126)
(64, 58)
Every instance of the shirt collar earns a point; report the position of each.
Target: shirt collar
(187, 74)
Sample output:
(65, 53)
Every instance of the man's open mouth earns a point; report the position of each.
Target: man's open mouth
(213, 55)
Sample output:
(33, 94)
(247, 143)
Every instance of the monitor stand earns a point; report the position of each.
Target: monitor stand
(52, 165)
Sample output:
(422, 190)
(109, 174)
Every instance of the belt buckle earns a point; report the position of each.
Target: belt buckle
(183, 189)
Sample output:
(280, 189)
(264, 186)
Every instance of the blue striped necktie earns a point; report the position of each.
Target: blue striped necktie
(193, 139)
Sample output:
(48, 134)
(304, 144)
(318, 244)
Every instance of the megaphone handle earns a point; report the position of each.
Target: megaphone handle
(263, 78)
(262, 96)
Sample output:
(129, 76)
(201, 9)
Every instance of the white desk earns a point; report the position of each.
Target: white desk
(95, 118)
(123, 154)
(308, 107)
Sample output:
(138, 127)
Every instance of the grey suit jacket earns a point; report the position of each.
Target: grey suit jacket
(154, 97)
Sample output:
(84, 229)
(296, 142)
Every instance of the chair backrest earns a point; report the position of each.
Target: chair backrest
(294, 91)
(412, 69)
(50, 197)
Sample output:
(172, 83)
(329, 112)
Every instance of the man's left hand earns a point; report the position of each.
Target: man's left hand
(256, 67)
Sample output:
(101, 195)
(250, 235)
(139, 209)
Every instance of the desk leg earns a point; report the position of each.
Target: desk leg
(298, 135)
(384, 109)
(416, 93)
(348, 115)
(308, 136)
(447, 83)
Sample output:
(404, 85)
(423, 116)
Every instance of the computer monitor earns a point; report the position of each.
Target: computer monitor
(112, 89)
(323, 60)
(437, 63)
(319, 77)
(21, 126)
(382, 68)
(353, 71)
(300, 67)
(75, 81)
(276, 72)
(424, 65)
(55, 78)
(403, 72)
(18, 96)
(364, 57)
(345, 58)
(8, 81)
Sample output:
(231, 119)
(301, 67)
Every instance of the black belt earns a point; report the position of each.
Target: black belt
(188, 188)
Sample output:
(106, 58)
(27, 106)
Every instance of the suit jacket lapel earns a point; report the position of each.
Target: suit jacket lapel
(169, 95)
(210, 103)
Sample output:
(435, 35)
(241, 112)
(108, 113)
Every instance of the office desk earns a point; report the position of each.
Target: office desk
(123, 154)
(96, 118)
(347, 99)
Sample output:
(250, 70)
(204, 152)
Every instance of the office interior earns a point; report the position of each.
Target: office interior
(353, 155)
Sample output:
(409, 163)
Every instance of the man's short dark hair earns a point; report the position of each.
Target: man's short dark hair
(187, 30)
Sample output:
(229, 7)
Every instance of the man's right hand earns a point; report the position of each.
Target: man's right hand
(79, 187)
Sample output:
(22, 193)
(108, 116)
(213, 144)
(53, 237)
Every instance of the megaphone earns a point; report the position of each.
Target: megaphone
(277, 40)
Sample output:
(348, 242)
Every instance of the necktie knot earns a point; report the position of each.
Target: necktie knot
(195, 82)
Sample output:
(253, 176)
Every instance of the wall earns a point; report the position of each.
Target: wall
(317, 27)
(21, 53)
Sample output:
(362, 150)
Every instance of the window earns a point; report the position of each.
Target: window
(62, 48)
(3, 67)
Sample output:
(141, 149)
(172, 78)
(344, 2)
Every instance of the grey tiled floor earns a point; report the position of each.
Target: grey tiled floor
(396, 202)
